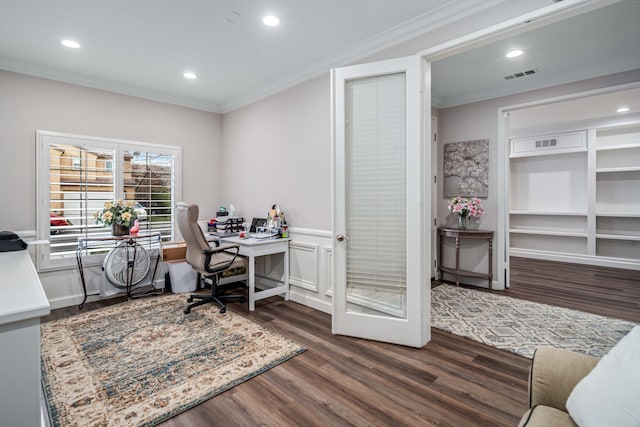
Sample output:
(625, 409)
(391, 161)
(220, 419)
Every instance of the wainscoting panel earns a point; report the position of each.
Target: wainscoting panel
(310, 270)
(303, 261)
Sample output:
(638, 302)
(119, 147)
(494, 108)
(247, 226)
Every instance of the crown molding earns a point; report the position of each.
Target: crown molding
(36, 70)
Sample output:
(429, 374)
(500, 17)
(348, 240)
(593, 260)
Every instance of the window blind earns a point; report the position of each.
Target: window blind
(376, 183)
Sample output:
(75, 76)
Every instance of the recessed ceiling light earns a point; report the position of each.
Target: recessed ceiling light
(189, 75)
(514, 53)
(622, 109)
(70, 43)
(271, 21)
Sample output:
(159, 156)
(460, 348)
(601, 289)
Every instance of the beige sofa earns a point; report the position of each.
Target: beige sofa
(554, 374)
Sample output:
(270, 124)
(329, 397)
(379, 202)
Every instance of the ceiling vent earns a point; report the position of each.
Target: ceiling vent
(521, 74)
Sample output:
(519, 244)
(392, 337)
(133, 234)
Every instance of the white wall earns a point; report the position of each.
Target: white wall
(28, 104)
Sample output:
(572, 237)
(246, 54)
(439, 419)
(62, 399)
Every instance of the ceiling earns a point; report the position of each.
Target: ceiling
(143, 47)
(601, 42)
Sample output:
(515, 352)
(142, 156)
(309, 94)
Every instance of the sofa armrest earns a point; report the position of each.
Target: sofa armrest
(554, 374)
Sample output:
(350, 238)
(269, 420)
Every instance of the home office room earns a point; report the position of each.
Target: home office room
(429, 259)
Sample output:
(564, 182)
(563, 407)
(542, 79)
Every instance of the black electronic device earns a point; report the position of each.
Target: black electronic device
(10, 242)
(257, 222)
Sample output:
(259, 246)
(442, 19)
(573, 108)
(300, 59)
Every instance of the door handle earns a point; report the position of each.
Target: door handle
(340, 237)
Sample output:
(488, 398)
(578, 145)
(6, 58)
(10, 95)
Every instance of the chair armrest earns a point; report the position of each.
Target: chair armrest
(227, 247)
(221, 248)
(554, 373)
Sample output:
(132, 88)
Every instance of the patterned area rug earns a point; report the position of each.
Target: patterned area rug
(521, 326)
(141, 362)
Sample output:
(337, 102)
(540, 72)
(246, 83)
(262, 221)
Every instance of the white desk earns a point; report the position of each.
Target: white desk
(253, 248)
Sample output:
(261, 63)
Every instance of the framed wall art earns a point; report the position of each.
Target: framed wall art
(466, 168)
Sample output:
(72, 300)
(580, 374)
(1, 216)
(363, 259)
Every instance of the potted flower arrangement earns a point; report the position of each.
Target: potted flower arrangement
(465, 209)
(120, 215)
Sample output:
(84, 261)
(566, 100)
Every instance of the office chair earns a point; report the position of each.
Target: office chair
(208, 262)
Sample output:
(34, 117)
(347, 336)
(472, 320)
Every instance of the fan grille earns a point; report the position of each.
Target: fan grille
(117, 261)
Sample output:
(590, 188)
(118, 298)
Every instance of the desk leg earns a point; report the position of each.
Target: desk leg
(286, 272)
(252, 283)
(457, 260)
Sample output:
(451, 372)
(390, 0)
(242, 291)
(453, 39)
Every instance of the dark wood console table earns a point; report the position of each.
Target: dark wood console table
(465, 234)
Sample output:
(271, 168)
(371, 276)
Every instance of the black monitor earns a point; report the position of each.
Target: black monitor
(257, 222)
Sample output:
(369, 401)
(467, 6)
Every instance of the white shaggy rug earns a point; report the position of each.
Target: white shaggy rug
(521, 326)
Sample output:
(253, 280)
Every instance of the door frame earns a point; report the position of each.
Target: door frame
(556, 12)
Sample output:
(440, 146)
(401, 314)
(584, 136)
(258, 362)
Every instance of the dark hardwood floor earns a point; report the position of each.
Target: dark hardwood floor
(452, 381)
(605, 291)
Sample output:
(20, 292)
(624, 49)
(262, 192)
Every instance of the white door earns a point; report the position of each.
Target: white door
(381, 236)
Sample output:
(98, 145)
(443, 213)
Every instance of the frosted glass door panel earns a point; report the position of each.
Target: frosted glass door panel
(549, 183)
(376, 196)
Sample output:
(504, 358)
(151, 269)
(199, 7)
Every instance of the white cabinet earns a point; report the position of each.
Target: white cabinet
(22, 302)
(575, 196)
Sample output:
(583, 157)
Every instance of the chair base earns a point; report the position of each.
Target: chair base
(206, 299)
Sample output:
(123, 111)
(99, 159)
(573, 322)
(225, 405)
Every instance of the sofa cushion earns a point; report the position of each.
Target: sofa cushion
(609, 394)
(546, 416)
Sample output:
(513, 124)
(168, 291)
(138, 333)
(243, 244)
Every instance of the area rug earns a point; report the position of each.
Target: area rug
(143, 361)
(521, 326)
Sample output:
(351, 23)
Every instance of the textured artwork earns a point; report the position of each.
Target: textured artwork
(466, 169)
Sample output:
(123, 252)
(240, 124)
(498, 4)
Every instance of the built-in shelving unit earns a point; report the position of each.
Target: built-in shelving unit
(576, 195)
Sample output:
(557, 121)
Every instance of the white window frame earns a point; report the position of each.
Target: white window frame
(44, 139)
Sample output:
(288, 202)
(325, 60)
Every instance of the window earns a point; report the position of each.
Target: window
(78, 174)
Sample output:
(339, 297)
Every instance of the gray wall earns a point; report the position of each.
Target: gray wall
(278, 150)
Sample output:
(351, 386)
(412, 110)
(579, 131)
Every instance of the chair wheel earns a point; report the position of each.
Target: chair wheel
(187, 310)
(223, 310)
(190, 299)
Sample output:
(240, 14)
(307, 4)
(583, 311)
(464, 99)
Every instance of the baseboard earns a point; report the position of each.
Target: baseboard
(628, 264)
(311, 302)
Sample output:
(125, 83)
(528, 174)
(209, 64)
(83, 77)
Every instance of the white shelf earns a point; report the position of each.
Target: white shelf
(547, 232)
(623, 169)
(618, 147)
(617, 237)
(584, 205)
(520, 212)
(618, 214)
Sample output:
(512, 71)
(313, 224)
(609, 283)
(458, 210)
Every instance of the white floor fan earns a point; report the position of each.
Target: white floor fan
(126, 265)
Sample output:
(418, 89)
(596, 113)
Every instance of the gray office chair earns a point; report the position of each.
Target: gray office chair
(209, 262)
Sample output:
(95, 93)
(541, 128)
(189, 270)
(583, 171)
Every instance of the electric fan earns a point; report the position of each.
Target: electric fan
(126, 265)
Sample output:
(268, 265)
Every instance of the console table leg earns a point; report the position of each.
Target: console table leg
(457, 261)
(490, 263)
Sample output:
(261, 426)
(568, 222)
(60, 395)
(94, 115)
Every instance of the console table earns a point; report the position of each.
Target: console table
(465, 234)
